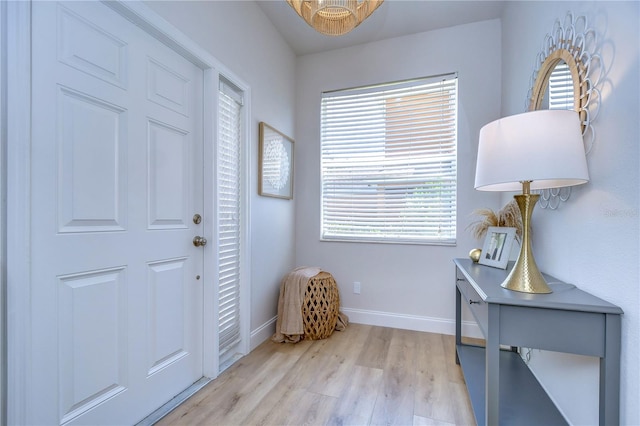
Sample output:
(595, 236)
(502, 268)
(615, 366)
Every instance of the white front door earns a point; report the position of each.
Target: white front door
(116, 295)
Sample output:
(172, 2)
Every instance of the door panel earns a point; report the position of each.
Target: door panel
(92, 338)
(90, 48)
(166, 318)
(117, 174)
(169, 176)
(167, 87)
(92, 195)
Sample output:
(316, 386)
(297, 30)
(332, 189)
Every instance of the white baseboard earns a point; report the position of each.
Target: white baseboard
(411, 322)
(383, 319)
(262, 333)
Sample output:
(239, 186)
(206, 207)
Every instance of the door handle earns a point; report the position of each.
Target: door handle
(199, 241)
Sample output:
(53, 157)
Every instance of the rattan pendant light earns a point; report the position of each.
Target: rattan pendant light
(334, 17)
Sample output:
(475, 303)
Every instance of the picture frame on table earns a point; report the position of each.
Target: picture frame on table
(275, 163)
(497, 246)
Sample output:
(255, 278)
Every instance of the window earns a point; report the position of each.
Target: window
(389, 162)
(229, 197)
(561, 87)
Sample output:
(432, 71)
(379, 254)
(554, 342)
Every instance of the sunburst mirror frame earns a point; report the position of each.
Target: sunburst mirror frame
(571, 40)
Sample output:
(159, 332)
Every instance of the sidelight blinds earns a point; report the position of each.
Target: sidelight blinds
(388, 155)
(228, 170)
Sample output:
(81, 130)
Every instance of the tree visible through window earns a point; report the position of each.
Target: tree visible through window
(389, 162)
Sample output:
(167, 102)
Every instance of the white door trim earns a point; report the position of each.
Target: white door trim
(18, 172)
(17, 35)
(3, 209)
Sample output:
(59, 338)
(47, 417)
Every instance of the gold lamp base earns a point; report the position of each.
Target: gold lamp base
(525, 276)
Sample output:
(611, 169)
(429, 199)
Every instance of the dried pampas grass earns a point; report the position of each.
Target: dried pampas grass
(509, 216)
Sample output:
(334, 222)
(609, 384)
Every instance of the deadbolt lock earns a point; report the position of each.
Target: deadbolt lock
(197, 219)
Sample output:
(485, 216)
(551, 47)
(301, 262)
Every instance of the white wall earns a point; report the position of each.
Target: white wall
(239, 35)
(3, 209)
(592, 240)
(409, 286)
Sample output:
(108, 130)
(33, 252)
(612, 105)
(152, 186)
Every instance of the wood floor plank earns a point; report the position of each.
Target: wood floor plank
(339, 361)
(330, 380)
(454, 371)
(432, 395)
(206, 404)
(395, 402)
(365, 375)
(310, 363)
(358, 399)
(464, 411)
(312, 409)
(345, 342)
(247, 366)
(425, 421)
(298, 349)
(255, 389)
(282, 402)
(374, 352)
(277, 407)
(231, 403)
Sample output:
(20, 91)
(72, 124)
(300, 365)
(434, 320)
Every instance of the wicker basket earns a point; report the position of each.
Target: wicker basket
(320, 306)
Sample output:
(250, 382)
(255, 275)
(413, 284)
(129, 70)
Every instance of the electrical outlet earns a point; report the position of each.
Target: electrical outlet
(356, 287)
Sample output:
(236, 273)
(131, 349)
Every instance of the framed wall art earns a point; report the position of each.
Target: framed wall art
(275, 163)
(497, 246)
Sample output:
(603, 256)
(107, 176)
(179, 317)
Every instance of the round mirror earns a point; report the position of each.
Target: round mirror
(558, 84)
(566, 67)
(566, 76)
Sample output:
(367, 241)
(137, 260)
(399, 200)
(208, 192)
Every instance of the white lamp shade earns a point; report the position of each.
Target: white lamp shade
(544, 147)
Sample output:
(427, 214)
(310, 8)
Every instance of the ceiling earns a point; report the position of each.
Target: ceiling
(393, 18)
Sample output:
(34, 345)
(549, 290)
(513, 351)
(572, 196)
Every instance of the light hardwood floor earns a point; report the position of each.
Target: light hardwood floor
(365, 375)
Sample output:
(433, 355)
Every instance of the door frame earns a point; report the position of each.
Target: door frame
(16, 182)
(3, 210)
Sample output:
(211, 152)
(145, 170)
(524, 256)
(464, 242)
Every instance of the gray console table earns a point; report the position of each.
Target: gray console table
(501, 387)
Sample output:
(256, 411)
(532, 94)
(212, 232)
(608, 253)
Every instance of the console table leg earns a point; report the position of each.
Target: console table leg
(458, 323)
(610, 373)
(492, 361)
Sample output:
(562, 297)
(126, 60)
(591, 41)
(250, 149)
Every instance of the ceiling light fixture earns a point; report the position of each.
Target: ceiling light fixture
(334, 17)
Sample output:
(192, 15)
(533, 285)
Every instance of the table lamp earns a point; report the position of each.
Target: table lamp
(534, 150)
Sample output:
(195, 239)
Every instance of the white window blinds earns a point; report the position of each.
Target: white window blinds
(389, 162)
(561, 87)
(229, 196)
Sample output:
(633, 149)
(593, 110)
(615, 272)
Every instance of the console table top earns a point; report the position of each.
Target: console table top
(486, 280)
